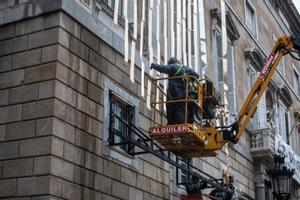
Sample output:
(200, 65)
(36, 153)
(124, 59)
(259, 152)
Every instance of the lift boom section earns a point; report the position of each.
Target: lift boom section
(204, 139)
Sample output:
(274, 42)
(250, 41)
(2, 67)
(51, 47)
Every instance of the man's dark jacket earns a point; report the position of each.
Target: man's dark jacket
(176, 87)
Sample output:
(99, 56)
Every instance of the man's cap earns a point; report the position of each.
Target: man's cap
(174, 60)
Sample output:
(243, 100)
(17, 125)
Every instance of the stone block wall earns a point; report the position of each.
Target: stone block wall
(52, 72)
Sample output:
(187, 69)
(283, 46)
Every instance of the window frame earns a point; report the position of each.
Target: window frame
(112, 9)
(86, 4)
(296, 72)
(286, 119)
(115, 100)
(252, 7)
(107, 149)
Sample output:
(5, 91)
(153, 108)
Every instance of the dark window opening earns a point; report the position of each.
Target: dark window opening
(181, 176)
(111, 5)
(122, 117)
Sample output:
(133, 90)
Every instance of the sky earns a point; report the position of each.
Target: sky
(297, 4)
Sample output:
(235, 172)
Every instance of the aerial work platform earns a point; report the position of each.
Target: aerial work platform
(185, 140)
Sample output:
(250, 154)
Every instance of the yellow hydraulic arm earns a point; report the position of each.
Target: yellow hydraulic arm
(284, 45)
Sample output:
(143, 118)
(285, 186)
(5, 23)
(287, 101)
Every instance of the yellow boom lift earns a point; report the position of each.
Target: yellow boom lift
(204, 137)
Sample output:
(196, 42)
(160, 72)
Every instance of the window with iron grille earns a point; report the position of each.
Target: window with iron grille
(250, 17)
(123, 118)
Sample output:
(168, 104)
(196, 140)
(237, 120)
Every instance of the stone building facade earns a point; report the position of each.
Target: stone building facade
(62, 63)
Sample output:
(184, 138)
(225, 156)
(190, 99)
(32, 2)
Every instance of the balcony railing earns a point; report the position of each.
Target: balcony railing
(262, 144)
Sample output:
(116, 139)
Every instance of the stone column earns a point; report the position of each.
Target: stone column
(260, 190)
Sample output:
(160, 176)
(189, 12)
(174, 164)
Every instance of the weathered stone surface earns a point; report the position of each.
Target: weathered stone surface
(49, 53)
(75, 117)
(107, 52)
(62, 72)
(93, 162)
(20, 130)
(143, 182)
(10, 114)
(64, 38)
(128, 176)
(83, 177)
(77, 82)
(21, 59)
(4, 97)
(135, 194)
(44, 126)
(94, 92)
(11, 79)
(120, 190)
(33, 185)
(40, 73)
(43, 38)
(65, 93)
(89, 39)
(36, 146)
(56, 186)
(12, 168)
(99, 112)
(112, 170)
(98, 147)
(84, 140)
(42, 165)
(5, 63)
(57, 147)
(7, 31)
(97, 61)
(46, 89)
(114, 73)
(103, 184)
(74, 62)
(63, 55)
(73, 154)
(52, 20)
(85, 105)
(63, 130)
(8, 187)
(23, 94)
(91, 194)
(29, 26)
(107, 197)
(59, 109)
(38, 109)
(70, 25)
(79, 49)
(9, 150)
(13, 45)
(2, 135)
(87, 71)
(94, 127)
(62, 168)
(71, 191)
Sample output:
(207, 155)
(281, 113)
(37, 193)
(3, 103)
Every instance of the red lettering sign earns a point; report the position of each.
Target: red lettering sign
(168, 130)
(266, 67)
